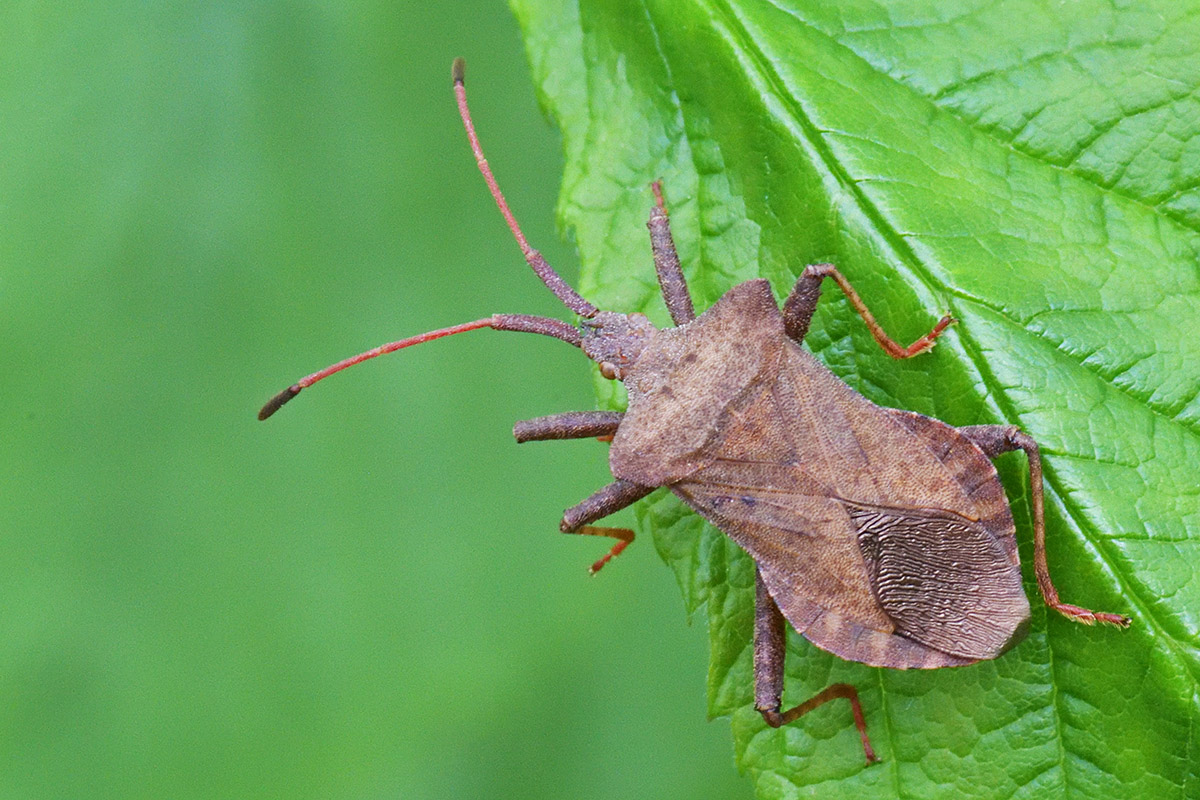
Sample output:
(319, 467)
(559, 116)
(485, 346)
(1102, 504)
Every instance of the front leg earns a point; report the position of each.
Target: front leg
(568, 425)
(770, 650)
(995, 440)
(798, 312)
(609, 500)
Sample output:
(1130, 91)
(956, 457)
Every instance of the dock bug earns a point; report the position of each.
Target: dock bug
(883, 536)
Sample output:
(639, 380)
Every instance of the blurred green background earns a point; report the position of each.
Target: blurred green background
(367, 596)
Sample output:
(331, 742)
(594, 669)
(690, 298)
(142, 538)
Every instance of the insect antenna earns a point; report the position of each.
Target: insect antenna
(500, 322)
(554, 282)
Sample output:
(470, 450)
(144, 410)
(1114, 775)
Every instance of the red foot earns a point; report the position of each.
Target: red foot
(1088, 617)
(925, 342)
(609, 556)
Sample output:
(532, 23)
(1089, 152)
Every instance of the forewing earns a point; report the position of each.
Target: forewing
(883, 536)
(792, 529)
(859, 450)
(972, 470)
(879, 585)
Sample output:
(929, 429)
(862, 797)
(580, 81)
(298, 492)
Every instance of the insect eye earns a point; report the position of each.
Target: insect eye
(608, 370)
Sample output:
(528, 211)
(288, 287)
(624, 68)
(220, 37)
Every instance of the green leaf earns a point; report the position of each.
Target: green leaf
(1031, 168)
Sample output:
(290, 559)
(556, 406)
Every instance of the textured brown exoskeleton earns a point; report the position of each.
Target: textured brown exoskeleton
(882, 536)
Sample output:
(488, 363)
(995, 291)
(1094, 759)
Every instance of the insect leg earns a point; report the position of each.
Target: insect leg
(770, 649)
(802, 302)
(570, 425)
(609, 500)
(666, 262)
(995, 440)
(624, 538)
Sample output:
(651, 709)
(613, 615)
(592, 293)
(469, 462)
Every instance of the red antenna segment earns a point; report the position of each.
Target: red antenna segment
(500, 322)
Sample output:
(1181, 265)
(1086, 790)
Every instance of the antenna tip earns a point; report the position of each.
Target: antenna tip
(656, 187)
(458, 71)
(276, 402)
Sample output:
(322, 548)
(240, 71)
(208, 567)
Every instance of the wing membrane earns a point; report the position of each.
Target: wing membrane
(792, 529)
(942, 579)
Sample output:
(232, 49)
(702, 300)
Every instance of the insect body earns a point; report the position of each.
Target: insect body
(882, 536)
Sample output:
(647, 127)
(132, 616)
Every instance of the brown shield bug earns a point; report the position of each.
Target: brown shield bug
(883, 536)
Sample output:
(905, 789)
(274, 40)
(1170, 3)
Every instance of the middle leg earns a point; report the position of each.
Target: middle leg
(801, 304)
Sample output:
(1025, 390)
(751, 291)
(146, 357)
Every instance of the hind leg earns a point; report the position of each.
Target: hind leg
(770, 650)
(995, 440)
(800, 305)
